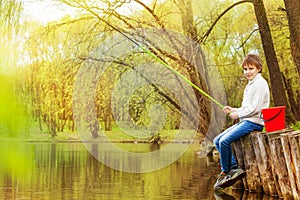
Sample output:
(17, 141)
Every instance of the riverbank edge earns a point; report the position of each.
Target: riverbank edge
(73, 137)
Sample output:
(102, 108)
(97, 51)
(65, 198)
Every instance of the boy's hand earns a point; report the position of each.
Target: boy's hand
(228, 109)
(233, 115)
(231, 112)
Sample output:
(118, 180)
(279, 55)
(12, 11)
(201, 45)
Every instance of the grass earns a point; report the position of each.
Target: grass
(32, 133)
(115, 135)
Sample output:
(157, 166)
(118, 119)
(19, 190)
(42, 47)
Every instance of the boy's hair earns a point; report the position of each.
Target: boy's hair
(252, 59)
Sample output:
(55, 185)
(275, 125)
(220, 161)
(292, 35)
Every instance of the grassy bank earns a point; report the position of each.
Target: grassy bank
(33, 134)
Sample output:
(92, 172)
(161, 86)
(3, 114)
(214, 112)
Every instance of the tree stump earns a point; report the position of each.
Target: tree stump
(280, 172)
(245, 155)
(294, 140)
(238, 151)
(253, 180)
(262, 154)
(271, 161)
(289, 163)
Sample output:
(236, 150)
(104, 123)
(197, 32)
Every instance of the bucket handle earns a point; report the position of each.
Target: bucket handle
(277, 114)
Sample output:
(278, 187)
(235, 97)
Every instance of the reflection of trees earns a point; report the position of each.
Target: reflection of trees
(67, 171)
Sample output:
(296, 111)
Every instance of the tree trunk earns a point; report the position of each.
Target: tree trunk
(293, 15)
(196, 64)
(277, 87)
(295, 105)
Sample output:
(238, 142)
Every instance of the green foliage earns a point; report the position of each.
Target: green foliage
(13, 120)
(296, 125)
(50, 56)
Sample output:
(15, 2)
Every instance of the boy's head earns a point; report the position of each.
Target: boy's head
(254, 60)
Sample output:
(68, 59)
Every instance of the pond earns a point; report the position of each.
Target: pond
(68, 171)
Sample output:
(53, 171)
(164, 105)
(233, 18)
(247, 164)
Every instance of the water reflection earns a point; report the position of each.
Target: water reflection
(69, 171)
(136, 158)
(230, 194)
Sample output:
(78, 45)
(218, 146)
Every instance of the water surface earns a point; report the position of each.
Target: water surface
(69, 171)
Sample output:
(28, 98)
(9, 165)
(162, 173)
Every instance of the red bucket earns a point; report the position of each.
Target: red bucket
(274, 118)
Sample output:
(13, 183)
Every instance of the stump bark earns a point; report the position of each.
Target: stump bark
(280, 173)
(294, 140)
(245, 155)
(271, 161)
(289, 163)
(262, 155)
(238, 151)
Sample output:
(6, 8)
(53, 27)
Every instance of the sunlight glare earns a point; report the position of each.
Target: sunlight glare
(47, 10)
(50, 10)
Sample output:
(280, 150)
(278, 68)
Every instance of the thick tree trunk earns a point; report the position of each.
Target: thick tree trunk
(293, 15)
(196, 64)
(277, 86)
(295, 105)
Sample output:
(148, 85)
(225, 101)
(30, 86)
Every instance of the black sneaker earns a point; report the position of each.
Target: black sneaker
(220, 179)
(236, 174)
(227, 180)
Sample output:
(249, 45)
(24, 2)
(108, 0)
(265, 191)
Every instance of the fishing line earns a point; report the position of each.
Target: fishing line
(163, 63)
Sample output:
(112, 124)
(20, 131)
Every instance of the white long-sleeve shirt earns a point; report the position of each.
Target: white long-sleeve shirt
(256, 97)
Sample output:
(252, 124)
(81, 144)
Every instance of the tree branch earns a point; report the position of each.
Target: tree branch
(248, 38)
(204, 37)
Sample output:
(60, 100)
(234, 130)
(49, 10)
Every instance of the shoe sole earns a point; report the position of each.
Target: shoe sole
(218, 188)
(232, 180)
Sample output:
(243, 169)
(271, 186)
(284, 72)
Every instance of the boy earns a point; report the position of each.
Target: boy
(256, 97)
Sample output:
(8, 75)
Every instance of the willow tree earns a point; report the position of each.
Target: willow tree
(10, 14)
(154, 16)
(10, 112)
(53, 53)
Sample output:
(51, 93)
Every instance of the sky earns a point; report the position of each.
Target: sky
(46, 10)
(49, 10)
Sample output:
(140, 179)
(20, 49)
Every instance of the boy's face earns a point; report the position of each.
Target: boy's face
(250, 71)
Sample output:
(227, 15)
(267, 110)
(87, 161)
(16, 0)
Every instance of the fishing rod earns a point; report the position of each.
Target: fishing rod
(162, 62)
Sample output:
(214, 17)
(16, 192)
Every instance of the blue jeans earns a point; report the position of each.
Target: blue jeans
(223, 142)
